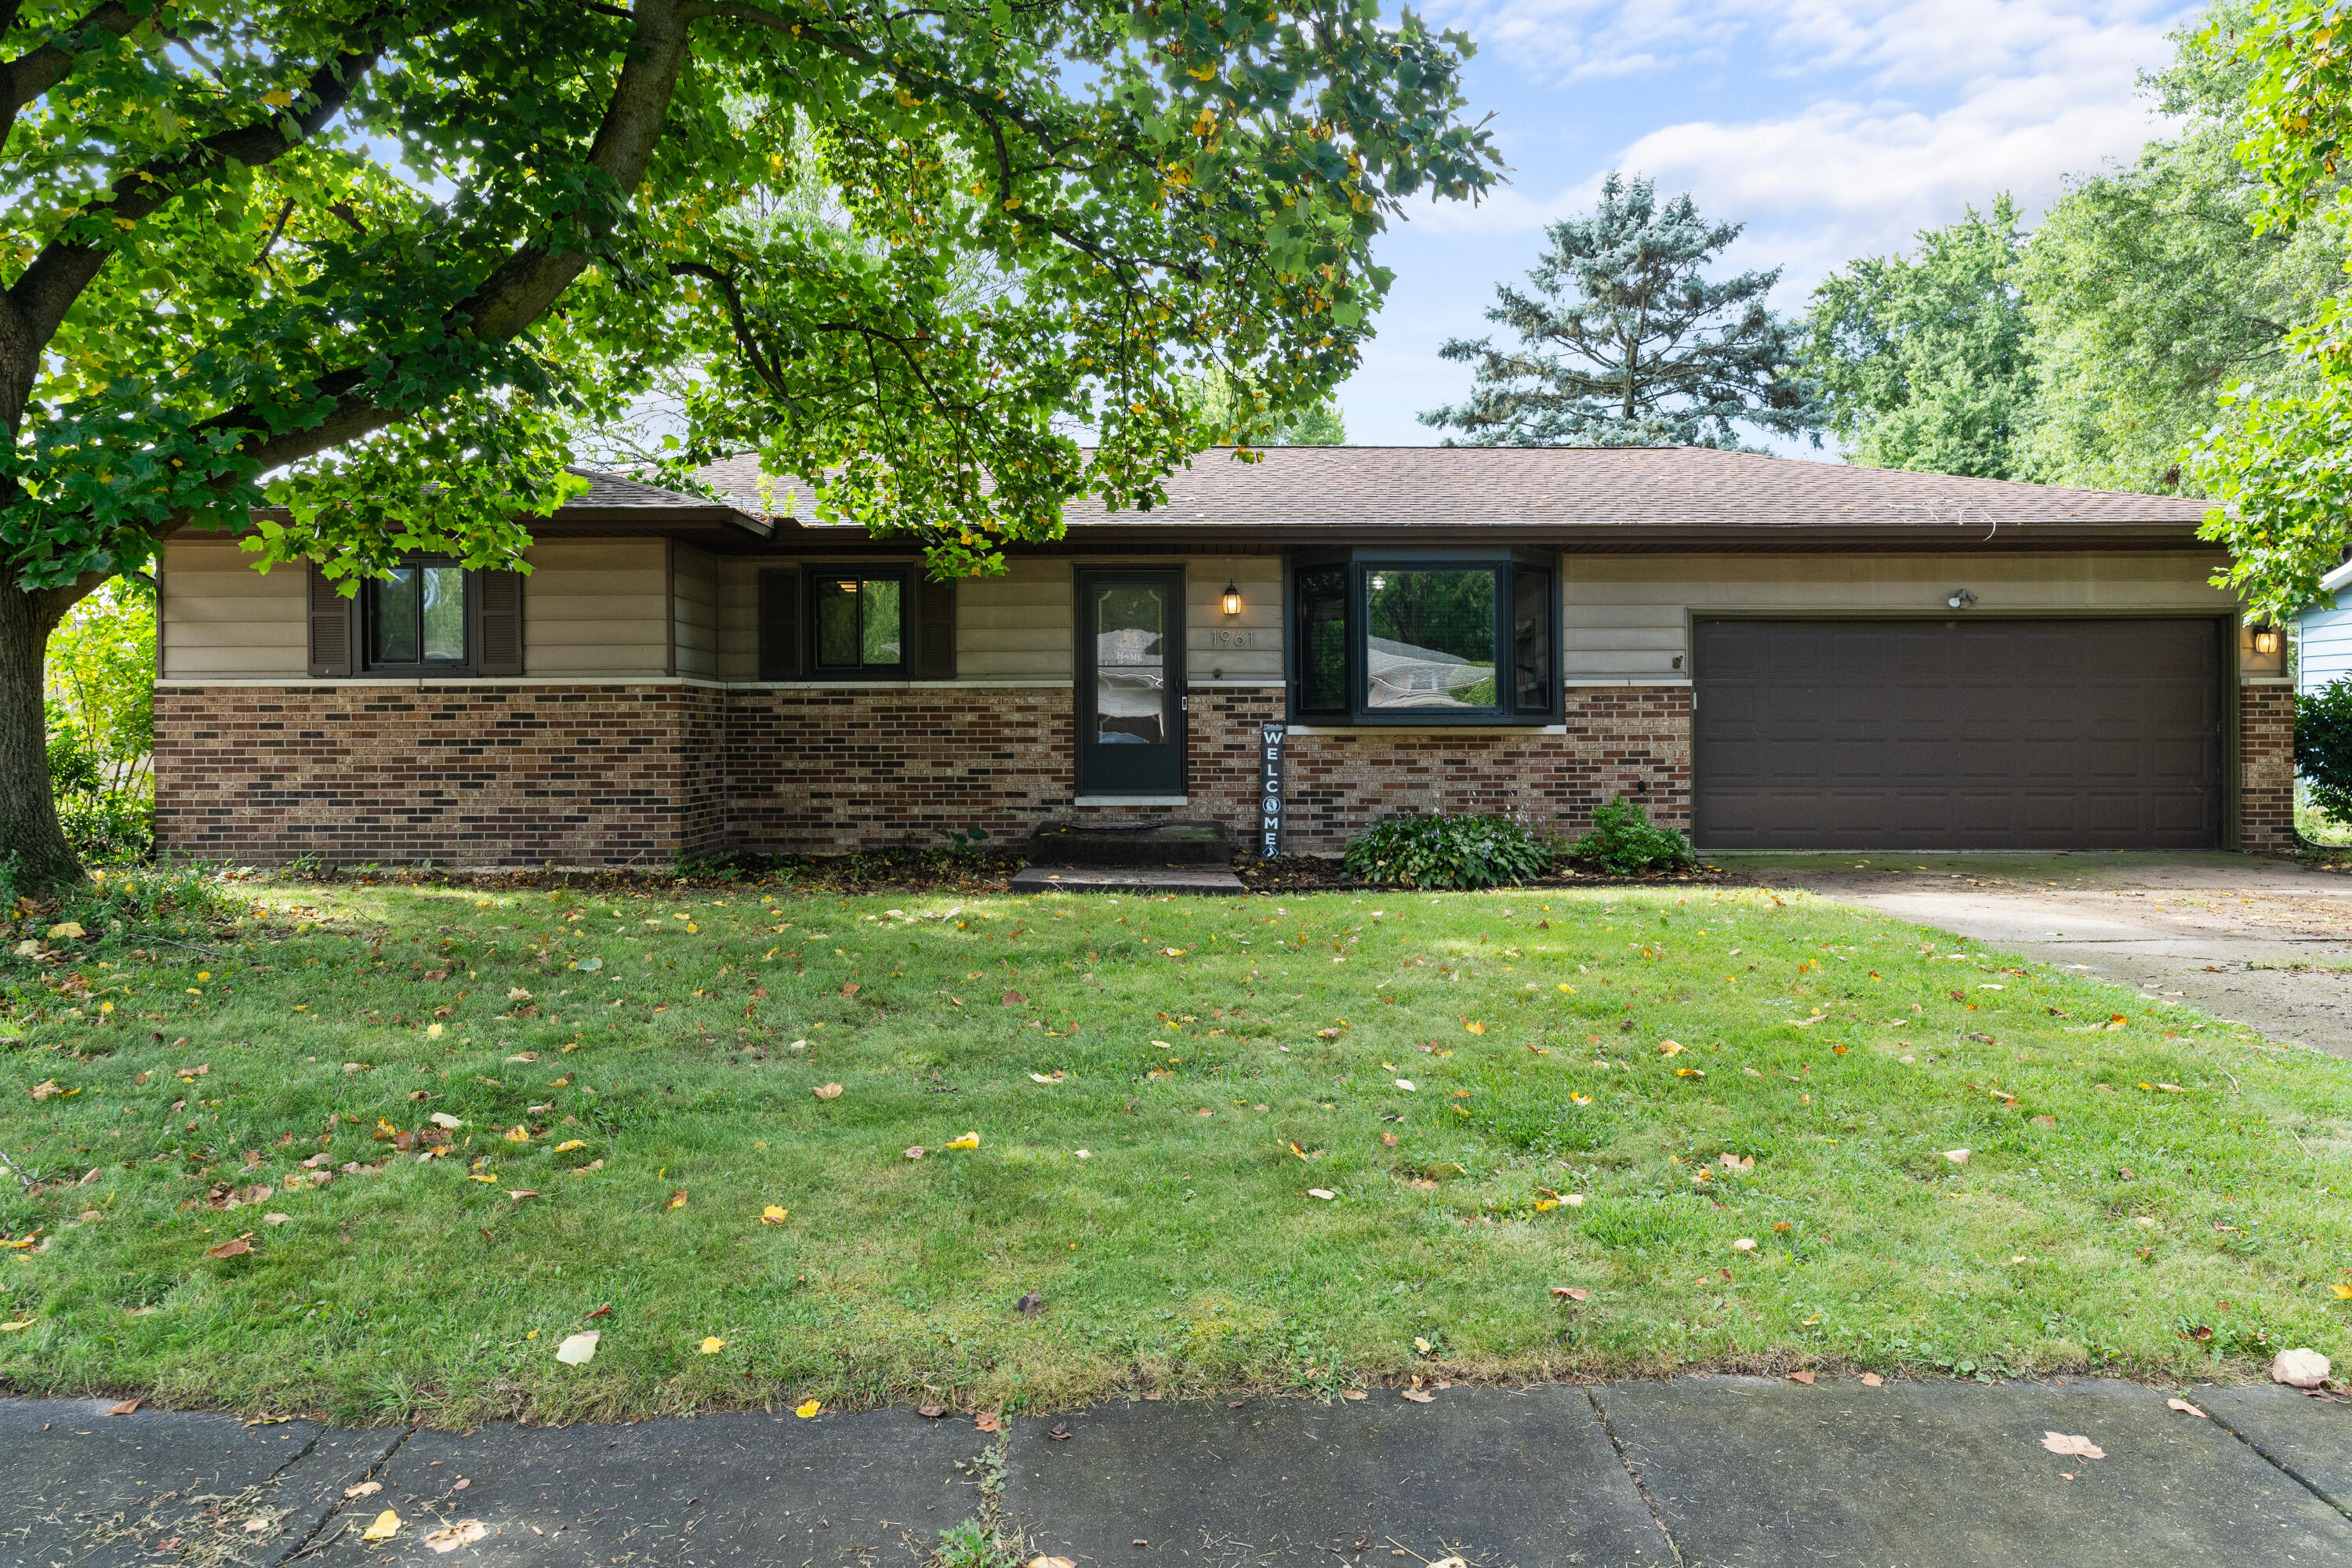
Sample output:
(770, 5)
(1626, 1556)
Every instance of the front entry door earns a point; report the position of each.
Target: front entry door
(1130, 682)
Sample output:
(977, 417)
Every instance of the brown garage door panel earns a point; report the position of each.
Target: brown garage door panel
(1958, 733)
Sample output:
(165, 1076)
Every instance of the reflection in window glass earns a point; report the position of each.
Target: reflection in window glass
(1131, 667)
(860, 623)
(393, 630)
(1531, 640)
(1323, 641)
(1430, 639)
(880, 619)
(838, 642)
(444, 612)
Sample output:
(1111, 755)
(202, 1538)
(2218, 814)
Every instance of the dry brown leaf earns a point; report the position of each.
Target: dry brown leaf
(237, 1246)
(450, 1537)
(1872, 1380)
(987, 1423)
(1804, 1377)
(1049, 1563)
(2185, 1408)
(1568, 1292)
(931, 1412)
(1419, 1396)
(126, 1407)
(2078, 1447)
(365, 1488)
(828, 1091)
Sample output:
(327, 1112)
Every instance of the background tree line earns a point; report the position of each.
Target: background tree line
(2175, 324)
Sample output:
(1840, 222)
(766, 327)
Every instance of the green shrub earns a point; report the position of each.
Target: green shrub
(2323, 747)
(101, 712)
(1433, 850)
(1624, 842)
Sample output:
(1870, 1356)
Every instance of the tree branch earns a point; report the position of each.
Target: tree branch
(47, 289)
(36, 70)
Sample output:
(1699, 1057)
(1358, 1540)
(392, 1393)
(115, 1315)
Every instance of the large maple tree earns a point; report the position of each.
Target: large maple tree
(367, 263)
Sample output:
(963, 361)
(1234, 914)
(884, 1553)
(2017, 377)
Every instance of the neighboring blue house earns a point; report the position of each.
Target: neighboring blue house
(2324, 635)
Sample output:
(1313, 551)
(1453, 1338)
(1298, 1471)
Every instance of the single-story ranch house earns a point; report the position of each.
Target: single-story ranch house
(1770, 653)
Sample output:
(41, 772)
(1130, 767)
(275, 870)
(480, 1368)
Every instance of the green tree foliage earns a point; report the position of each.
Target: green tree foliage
(371, 260)
(101, 707)
(1234, 413)
(2323, 747)
(1924, 361)
(1625, 341)
(2153, 289)
(2283, 465)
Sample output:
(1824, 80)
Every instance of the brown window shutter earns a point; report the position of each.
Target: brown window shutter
(779, 624)
(334, 626)
(935, 630)
(499, 623)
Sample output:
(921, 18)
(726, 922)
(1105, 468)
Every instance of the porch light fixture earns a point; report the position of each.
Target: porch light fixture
(1232, 601)
(2266, 640)
(1960, 599)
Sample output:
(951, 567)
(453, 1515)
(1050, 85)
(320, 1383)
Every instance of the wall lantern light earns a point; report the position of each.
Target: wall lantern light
(1960, 599)
(1232, 602)
(2266, 640)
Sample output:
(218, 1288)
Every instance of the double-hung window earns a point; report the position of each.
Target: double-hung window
(1391, 637)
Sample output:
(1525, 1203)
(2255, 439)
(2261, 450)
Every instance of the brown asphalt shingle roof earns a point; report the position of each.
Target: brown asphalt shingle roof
(1405, 486)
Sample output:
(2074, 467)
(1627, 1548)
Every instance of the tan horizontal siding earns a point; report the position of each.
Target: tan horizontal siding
(736, 618)
(1628, 616)
(1247, 647)
(221, 618)
(694, 582)
(596, 606)
(1016, 626)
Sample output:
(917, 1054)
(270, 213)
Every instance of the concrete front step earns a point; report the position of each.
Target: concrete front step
(1126, 879)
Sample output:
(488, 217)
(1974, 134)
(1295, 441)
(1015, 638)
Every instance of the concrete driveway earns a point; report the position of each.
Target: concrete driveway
(2267, 943)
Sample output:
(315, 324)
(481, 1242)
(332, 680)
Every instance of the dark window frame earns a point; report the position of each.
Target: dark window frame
(1510, 568)
(813, 576)
(370, 610)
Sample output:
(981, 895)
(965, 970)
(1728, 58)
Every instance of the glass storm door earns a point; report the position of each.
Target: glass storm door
(1131, 683)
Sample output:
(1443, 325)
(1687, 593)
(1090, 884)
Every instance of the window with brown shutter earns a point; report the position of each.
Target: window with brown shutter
(333, 620)
(935, 630)
(498, 619)
(779, 624)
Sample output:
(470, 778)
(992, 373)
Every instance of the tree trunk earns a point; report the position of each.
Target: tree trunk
(30, 833)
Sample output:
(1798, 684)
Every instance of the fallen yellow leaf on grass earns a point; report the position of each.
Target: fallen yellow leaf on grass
(1473, 1026)
(569, 1144)
(713, 1345)
(518, 1134)
(15, 1327)
(969, 1140)
(45, 1090)
(828, 1091)
(772, 1214)
(386, 1526)
(808, 1408)
(579, 1350)
(492, 1177)
(677, 1200)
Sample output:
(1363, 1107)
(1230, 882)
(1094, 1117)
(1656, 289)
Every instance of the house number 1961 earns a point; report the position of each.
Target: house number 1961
(1222, 638)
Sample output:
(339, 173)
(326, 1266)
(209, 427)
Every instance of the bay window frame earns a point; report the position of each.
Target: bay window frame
(1510, 566)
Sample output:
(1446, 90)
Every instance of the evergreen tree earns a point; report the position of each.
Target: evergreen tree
(1925, 363)
(1625, 341)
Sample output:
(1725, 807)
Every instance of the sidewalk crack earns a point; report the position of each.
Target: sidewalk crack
(301, 1546)
(1634, 1475)
(2289, 1471)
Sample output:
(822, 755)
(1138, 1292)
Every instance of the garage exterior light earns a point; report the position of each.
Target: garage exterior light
(1960, 599)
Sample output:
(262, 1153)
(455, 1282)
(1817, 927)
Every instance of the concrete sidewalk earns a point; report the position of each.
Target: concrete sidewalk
(1700, 1470)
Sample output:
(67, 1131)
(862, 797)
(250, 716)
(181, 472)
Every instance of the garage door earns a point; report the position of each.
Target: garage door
(1958, 733)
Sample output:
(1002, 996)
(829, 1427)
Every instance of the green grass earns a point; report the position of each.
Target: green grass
(2102, 1220)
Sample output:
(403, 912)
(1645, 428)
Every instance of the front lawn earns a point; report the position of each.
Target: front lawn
(1613, 1091)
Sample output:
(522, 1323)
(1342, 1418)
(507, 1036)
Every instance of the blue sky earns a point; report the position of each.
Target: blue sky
(1833, 128)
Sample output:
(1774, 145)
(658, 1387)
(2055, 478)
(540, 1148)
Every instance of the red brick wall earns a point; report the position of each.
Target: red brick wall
(639, 775)
(2267, 763)
(475, 774)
